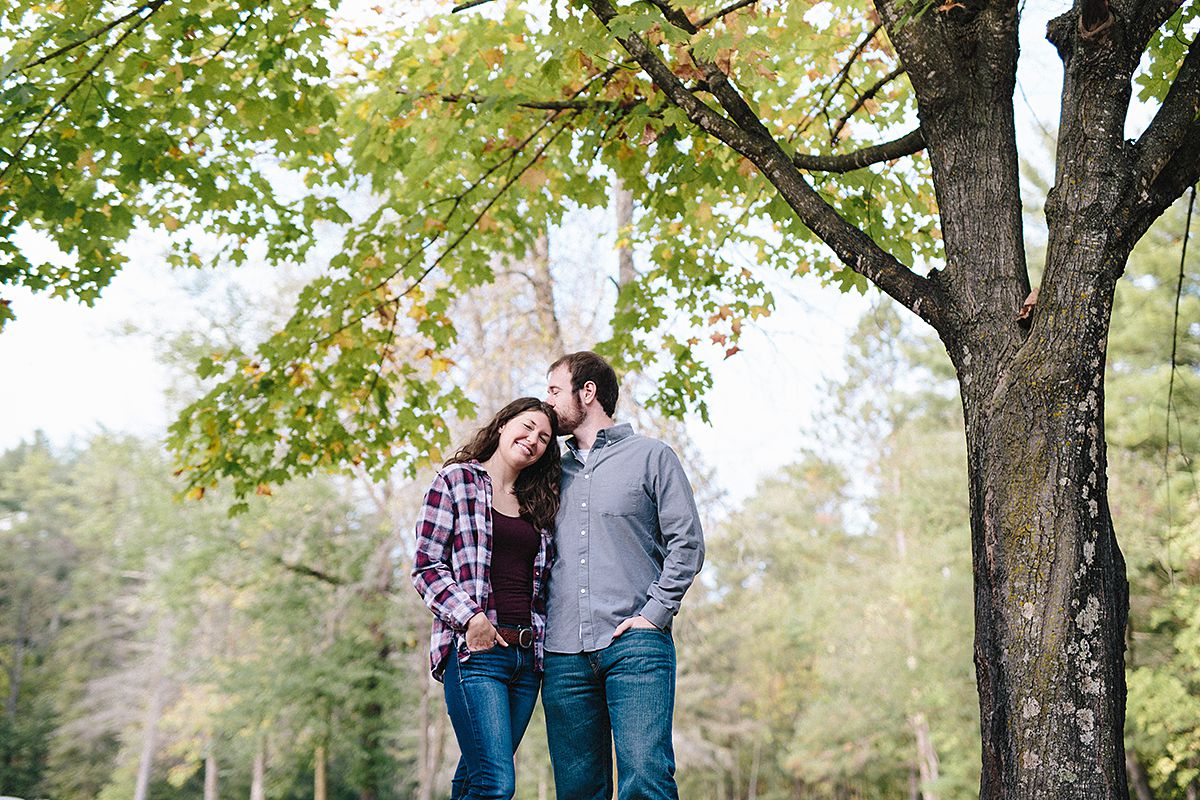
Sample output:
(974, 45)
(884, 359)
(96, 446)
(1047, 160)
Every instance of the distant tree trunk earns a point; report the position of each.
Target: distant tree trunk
(258, 773)
(543, 290)
(17, 665)
(755, 763)
(927, 758)
(210, 776)
(373, 755)
(623, 199)
(543, 791)
(914, 783)
(1137, 777)
(426, 774)
(319, 789)
(154, 710)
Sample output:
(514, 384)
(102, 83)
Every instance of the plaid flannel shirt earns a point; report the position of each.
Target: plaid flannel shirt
(451, 570)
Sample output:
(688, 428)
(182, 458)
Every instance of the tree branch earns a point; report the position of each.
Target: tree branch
(906, 145)
(538, 105)
(724, 12)
(839, 79)
(1161, 169)
(16, 153)
(853, 247)
(152, 6)
(862, 99)
(1145, 17)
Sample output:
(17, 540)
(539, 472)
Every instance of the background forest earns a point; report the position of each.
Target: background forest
(158, 648)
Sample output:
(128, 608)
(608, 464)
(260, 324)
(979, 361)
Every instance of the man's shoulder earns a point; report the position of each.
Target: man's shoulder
(648, 444)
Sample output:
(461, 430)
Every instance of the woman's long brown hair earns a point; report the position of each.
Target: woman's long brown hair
(537, 484)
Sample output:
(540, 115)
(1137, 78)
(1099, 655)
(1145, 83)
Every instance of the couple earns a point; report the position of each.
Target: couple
(571, 568)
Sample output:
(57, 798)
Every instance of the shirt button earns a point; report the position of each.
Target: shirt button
(583, 591)
(587, 475)
(583, 533)
(584, 505)
(583, 561)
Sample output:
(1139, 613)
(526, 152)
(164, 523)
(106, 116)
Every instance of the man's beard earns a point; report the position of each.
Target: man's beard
(569, 418)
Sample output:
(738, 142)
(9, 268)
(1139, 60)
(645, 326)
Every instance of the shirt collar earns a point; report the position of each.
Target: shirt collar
(610, 435)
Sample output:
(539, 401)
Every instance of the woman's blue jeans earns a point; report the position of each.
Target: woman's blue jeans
(490, 699)
(620, 698)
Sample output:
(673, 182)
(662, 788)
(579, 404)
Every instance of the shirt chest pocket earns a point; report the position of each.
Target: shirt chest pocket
(628, 500)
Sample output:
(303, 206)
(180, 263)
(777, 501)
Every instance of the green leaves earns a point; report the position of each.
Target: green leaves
(424, 155)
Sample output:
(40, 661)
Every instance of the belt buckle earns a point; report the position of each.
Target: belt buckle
(525, 637)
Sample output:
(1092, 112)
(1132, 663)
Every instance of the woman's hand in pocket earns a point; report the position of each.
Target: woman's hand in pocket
(481, 634)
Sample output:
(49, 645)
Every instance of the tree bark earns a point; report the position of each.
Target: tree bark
(210, 776)
(1138, 779)
(154, 710)
(623, 199)
(928, 767)
(543, 290)
(258, 772)
(319, 783)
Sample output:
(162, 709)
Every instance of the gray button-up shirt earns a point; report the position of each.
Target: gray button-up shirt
(628, 539)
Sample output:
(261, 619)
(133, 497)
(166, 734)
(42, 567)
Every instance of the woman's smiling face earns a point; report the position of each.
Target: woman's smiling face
(524, 438)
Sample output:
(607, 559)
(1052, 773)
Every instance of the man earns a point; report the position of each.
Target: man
(629, 544)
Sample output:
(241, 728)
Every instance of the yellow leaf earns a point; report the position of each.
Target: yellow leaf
(195, 493)
(170, 222)
(533, 179)
(263, 489)
(493, 57)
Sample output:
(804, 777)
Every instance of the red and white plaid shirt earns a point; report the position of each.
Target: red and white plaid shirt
(452, 568)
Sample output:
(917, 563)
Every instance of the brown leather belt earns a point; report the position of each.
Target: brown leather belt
(521, 637)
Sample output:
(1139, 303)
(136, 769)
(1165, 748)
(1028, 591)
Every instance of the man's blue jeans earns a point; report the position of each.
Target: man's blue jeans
(622, 698)
(490, 699)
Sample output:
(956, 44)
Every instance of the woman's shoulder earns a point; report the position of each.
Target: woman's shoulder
(460, 472)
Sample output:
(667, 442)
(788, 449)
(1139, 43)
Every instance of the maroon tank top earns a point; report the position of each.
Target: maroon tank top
(514, 548)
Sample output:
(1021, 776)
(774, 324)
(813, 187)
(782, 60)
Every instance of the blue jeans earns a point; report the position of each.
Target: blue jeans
(622, 698)
(490, 699)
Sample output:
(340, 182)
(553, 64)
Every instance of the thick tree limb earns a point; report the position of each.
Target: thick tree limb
(1165, 163)
(853, 247)
(1144, 17)
(906, 145)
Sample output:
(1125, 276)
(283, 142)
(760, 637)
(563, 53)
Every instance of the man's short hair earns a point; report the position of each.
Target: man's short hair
(586, 366)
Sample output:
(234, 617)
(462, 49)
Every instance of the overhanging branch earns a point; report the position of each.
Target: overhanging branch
(906, 145)
(750, 138)
(1166, 161)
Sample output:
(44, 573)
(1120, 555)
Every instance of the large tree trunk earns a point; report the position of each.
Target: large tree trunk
(1051, 596)
(1050, 592)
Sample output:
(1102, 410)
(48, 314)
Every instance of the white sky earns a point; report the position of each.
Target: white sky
(72, 371)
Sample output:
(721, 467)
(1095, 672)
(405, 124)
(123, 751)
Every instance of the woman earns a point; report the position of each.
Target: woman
(483, 556)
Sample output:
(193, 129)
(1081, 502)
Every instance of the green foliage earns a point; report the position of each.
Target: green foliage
(425, 149)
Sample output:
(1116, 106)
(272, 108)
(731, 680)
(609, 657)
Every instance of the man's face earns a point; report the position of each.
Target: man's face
(565, 402)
